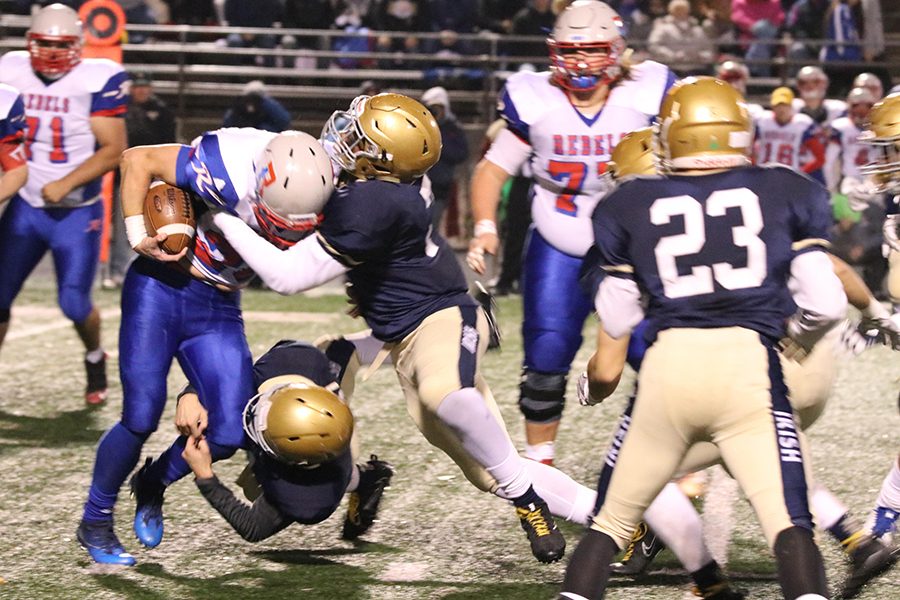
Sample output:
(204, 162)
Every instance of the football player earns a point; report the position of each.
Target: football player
(726, 237)
(844, 145)
(673, 521)
(812, 83)
(407, 285)
(13, 165)
(870, 82)
(783, 135)
(187, 306)
(565, 123)
(299, 429)
(76, 132)
(737, 74)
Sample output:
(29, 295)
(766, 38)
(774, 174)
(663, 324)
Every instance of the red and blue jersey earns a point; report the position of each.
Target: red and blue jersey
(712, 250)
(400, 271)
(12, 128)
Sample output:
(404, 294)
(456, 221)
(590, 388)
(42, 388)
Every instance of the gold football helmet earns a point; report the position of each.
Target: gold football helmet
(703, 124)
(633, 155)
(388, 136)
(299, 423)
(883, 132)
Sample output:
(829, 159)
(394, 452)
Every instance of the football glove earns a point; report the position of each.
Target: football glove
(860, 193)
(882, 331)
(584, 391)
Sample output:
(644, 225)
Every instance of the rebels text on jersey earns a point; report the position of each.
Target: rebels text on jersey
(59, 136)
(570, 151)
(722, 244)
(219, 167)
(12, 128)
(400, 272)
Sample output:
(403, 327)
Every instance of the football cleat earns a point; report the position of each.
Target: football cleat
(486, 300)
(101, 542)
(870, 558)
(374, 478)
(95, 392)
(641, 551)
(148, 515)
(720, 591)
(547, 542)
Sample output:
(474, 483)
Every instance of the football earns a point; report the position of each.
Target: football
(168, 209)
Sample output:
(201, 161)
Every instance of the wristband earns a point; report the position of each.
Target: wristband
(485, 226)
(135, 230)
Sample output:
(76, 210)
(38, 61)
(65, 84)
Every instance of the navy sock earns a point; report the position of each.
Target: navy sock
(117, 454)
(529, 497)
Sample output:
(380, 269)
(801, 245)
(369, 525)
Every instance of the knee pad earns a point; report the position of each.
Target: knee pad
(542, 396)
(75, 304)
(4, 315)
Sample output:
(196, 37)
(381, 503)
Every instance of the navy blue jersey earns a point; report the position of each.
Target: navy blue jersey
(399, 270)
(712, 250)
(305, 495)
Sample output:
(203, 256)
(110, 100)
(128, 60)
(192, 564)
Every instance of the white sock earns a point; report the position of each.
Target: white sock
(485, 439)
(826, 507)
(542, 451)
(354, 480)
(565, 497)
(811, 597)
(673, 518)
(95, 356)
(889, 496)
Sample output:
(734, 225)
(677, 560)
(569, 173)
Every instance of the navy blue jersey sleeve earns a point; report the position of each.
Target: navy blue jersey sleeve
(12, 128)
(611, 238)
(357, 228)
(507, 109)
(202, 169)
(810, 204)
(289, 357)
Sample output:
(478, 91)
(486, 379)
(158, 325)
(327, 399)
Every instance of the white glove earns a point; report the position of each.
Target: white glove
(891, 230)
(584, 391)
(860, 193)
(852, 341)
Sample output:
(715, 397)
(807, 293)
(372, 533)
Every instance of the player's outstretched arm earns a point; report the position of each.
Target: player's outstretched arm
(253, 522)
(487, 183)
(138, 167)
(301, 267)
(111, 142)
(604, 368)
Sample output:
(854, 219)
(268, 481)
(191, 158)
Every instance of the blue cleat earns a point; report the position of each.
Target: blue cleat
(148, 516)
(99, 539)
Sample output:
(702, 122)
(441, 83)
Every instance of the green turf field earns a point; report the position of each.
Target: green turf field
(438, 537)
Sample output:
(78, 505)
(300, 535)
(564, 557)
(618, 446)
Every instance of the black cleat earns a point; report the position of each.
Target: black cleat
(547, 542)
(870, 558)
(374, 478)
(486, 300)
(641, 551)
(95, 392)
(720, 591)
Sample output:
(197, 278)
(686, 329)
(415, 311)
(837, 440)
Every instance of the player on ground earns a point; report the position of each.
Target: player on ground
(13, 165)
(410, 290)
(299, 429)
(76, 132)
(565, 123)
(783, 135)
(187, 307)
(726, 237)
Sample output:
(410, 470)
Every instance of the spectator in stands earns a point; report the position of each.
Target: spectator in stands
(843, 43)
(353, 17)
(454, 152)
(192, 12)
(399, 16)
(536, 18)
(496, 15)
(873, 30)
(642, 19)
(804, 23)
(758, 23)
(308, 14)
(137, 12)
(678, 41)
(148, 121)
(716, 23)
(255, 13)
(255, 108)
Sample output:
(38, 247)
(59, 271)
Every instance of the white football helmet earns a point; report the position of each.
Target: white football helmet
(736, 73)
(54, 41)
(870, 82)
(584, 29)
(859, 103)
(294, 179)
(812, 83)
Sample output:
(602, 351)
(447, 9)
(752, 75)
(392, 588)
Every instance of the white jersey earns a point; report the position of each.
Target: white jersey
(569, 151)
(220, 167)
(844, 143)
(782, 144)
(59, 113)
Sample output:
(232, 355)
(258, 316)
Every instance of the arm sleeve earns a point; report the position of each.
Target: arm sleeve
(819, 296)
(303, 266)
(253, 522)
(196, 165)
(509, 152)
(618, 298)
(112, 100)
